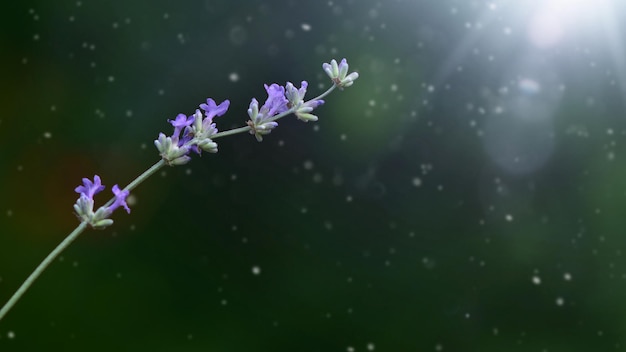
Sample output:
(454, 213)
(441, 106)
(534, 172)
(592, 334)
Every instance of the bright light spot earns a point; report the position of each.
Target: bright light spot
(305, 27)
(545, 29)
(233, 76)
(256, 270)
(536, 280)
(131, 200)
(529, 86)
(567, 277)
(560, 301)
(554, 19)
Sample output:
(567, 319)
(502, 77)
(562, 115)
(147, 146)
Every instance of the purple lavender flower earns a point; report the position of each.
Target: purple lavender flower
(89, 189)
(261, 119)
(338, 73)
(196, 132)
(171, 152)
(276, 101)
(302, 109)
(120, 199)
(211, 109)
(84, 204)
(181, 122)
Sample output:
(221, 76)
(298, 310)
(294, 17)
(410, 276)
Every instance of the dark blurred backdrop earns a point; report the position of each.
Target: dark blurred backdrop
(466, 194)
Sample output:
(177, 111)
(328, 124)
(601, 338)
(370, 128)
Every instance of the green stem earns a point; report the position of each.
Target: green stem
(137, 181)
(231, 132)
(41, 267)
(66, 242)
(325, 93)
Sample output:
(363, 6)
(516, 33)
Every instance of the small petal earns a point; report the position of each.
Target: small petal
(180, 160)
(305, 116)
(84, 207)
(253, 110)
(211, 109)
(343, 68)
(208, 145)
(89, 188)
(179, 123)
(276, 101)
(197, 120)
(120, 199)
(338, 73)
(331, 69)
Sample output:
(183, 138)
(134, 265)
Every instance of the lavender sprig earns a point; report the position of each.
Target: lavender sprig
(192, 133)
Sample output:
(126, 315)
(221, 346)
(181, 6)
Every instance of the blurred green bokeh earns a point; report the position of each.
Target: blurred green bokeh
(466, 194)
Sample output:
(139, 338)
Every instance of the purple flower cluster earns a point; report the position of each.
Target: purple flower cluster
(84, 204)
(279, 100)
(191, 133)
(194, 133)
(338, 73)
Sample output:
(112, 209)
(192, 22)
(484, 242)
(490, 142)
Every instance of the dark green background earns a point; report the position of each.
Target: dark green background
(388, 225)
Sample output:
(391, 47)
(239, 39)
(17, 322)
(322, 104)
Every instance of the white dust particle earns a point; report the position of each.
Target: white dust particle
(256, 270)
(417, 181)
(131, 200)
(305, 27)
(47, 135)
(536, 280)
(233, 77)
(567, 277)
(560, 301)
(508, 217)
